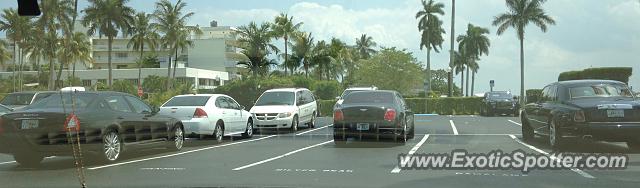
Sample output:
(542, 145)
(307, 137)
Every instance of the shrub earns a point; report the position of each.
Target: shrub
(327, 89)
(606, 73)
(124, 86)
(533, 95)
(442, 106)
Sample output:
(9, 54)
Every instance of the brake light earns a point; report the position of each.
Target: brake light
(338, 116)
(72, 123)
(200, 113)
(390, 115)
(579, 116)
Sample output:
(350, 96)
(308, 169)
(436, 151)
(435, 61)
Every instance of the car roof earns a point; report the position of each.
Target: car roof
(32, 92)
(204, 95)
(587, 81)
(361, 88)
(288, 89)
(379, 91)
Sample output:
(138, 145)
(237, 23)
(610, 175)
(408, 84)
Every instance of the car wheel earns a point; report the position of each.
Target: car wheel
(402, 138)
(634, 145)
(339, 140)
(248, 132)
(312, 124)
(555, 136)
(527, 131)
(112, 146)
(294, 124)
(28, 159)
(178, 139)
(218, 132)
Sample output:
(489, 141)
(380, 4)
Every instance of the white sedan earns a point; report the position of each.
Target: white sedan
(209, 115)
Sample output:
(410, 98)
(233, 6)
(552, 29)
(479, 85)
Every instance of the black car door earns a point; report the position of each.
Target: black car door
(544, 114)
(157, 125)
(133, 124)
(533, 110)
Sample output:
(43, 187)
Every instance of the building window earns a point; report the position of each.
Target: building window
(86, 83)
(122, 54)
(121, 66)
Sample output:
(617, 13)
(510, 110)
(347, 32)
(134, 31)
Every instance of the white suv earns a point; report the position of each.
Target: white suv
(284, 108)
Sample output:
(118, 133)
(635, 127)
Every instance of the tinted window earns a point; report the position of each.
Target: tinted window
(80, 100)
(41, 96)
(187, 101)
(599, 90)
(369, 97)
(17, 99)
(545, 94)
(500, 95)
(308, 96)
(118, 103)
(301, 98)
(221, 103)
(232, 104)
(138, 105)
(276, 98)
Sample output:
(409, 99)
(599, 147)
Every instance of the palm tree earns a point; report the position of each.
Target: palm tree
(520, 13)
(459, 65)
(283, 26)
(256, 42)
(431, 27)
(74, 49)
(474, 44)
(341, 56)
(34, 47)
(365, 45)
(321, 59)
(184, 42)
(107, 17)
(142, 33)
(302, 47)
(172, 23)
(4, 54)
(473, 65)
(54, 18)
(17, 29)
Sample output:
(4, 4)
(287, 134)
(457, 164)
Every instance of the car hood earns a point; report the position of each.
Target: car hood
(604, 103)
(272, 109)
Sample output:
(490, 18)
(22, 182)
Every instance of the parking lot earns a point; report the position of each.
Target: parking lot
(309, 158)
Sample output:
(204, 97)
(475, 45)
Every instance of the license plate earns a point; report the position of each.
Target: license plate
(615, 113)
(362, 126)
(29, 124)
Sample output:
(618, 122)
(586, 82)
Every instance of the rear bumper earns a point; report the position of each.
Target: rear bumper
(606, 131)
(377, 129)
(198, 126)
(11, 144)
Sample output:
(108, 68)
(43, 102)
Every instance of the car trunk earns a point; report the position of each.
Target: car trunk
(363, 113)
(43, 127)
(180, 112)
(608, 110)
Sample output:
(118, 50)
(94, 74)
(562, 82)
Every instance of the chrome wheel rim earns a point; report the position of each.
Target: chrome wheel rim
(552, 134)
(218, 133)
(249, 128)
(111, 146)
(179, 138)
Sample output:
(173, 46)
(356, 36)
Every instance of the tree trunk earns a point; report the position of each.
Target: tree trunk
(428, 67)
(522, 98)
(467, 86)
(285, 55)
(51, 83)
(13, 70)
(109, 66)
(168, 86)
(59, 83)
(462, 82)
(175, 66)
(473, 81)
(451, 55)
(140, 61)
(20, 80)
(39, 68)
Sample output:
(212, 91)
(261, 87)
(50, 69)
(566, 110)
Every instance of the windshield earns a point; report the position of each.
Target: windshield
(276, 98)
(500, 95)
(369, 97)
(600, 90)
(64, 100)
(17, 99)
(187, 101)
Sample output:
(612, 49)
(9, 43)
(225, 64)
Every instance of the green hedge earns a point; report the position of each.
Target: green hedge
(442, 106)
(533, 95)
(606, 73)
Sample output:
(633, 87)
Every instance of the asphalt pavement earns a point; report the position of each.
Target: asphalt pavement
(309, 158)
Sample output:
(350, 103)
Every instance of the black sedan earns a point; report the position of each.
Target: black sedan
(373, 114)
(499, 102)
(591, 109)
(105, 123)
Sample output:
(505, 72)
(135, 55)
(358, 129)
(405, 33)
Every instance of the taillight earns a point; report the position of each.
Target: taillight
(337, 115)
(579, 116)
(390, 115)
(200, 113)
(72, 123)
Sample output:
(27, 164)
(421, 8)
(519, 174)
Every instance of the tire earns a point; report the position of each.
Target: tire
(412, 133)
(555, 137)
(218, 132)
(294, 124)
(312, 124)
(527, 131)
(248, 132)
(634, 145)
(338, 140)
(402, 138)
(177, 139)
(28, 159)
(112, 146)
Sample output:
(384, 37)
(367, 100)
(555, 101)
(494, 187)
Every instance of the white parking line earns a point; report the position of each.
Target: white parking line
(281, 156)
(411, 152)
(453, 126)
(578, 171)
(489, 134)
(514, 122)
(181, 153)
(314, 130)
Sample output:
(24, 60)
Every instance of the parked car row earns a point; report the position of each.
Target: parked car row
(110, 123)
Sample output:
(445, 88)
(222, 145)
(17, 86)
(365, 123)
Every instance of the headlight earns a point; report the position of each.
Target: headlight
(284, 115)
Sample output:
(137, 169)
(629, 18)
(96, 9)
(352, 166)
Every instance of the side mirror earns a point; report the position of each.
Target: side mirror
(242, 107)
(155, 109)
(338, 98)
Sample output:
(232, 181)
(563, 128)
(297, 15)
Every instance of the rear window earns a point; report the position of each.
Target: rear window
(500, 95)
(17, 99)
(600, 90)
(187, 101)
(368, 97)
(66, 100)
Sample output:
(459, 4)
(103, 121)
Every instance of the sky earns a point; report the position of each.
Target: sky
(588, 33)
